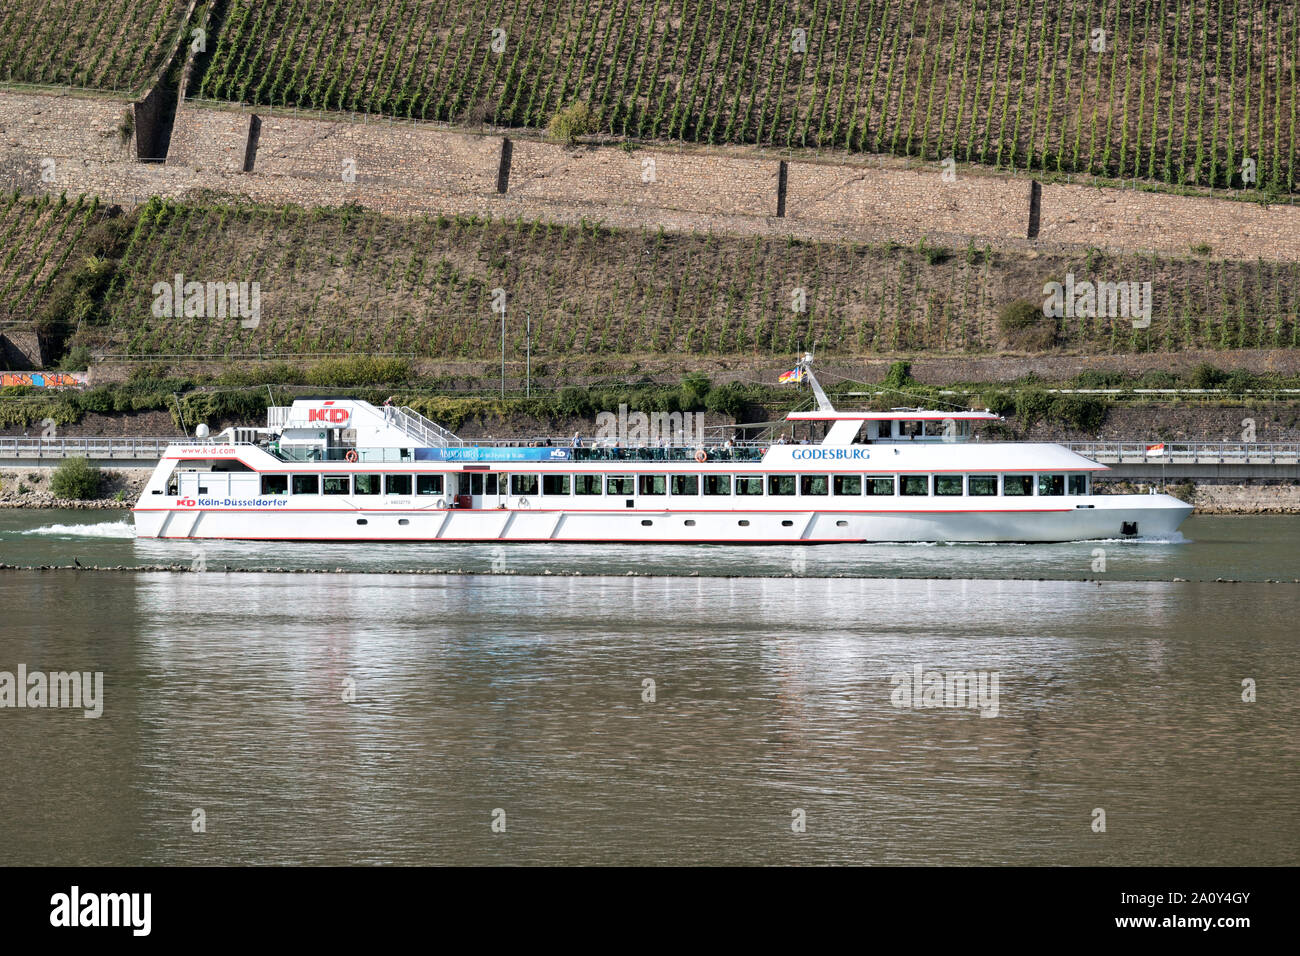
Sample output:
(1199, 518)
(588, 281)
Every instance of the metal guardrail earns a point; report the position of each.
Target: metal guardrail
(1189, 453)
(126, 449)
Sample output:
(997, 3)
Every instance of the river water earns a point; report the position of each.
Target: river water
(660, 718)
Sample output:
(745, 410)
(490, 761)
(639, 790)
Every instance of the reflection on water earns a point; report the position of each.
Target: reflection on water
(477, 693)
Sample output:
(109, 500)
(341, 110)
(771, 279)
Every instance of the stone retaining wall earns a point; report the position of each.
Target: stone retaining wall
(406, 168)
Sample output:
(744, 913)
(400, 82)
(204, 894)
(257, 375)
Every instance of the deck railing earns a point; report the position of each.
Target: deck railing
(126, 449)
(1189, 453)
(1105, 452)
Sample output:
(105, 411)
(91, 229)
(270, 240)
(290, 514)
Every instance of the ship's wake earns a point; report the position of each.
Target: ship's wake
(105, 529)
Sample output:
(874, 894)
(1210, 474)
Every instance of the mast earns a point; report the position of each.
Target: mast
(823, 403)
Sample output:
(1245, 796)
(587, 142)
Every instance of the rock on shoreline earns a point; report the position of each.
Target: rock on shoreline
(29, 487)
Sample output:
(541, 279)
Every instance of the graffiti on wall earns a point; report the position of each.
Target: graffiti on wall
(46, 379)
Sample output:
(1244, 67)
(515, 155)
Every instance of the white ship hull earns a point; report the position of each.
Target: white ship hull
(1071, 519)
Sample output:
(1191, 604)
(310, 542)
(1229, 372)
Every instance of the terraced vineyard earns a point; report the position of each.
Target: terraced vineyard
(113, 45)
(350, 281)
(1179, 91)
(39, 239)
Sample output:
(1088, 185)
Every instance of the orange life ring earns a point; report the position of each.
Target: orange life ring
(701, 456)
(351, 456)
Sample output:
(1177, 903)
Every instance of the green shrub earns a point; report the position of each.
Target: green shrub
(570, 122)
(77, 360)
(899, 375)
(693, 391)
(1024, 326)
(933, 254)
(1080, 412)
(1240, 380)
(1018, 315)
(75, 479)
(1206, 375)
(359, 372)
(1001, 403)
(729, 399)
(1158, 378)
(1099, 378)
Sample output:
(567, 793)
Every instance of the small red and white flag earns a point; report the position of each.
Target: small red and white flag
(1155, 450)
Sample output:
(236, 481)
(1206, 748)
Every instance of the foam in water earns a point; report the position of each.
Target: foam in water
(105, 529)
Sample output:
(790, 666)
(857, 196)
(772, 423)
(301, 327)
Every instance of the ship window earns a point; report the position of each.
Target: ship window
(366, 484)
(475, 482)
(1051, 484)
(787, 524)
(685, 484)
(403, 521)
(646, 522)
(848, 484)
(749, 485)
(689, 522)
(306, 484)
(555, 484)
(841, 524)
(362, 521)
(880, 485)
(587, 484)
(743, 523)
(1017, 485)
(916, 484)
(397, 484)
(909, 429)
(491, 484)
(275, 484)
(523, 484)
(619, 484)
(1078, 484)
(982, 485)
(948, 485)
(428, 484)
(717, 484)
(653, 484)
(337, 485)
(778, 485)
(814, 485)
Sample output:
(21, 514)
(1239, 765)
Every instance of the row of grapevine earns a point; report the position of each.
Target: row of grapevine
(39, 237)
(339, 280)
(116, 45)
(1177, 91)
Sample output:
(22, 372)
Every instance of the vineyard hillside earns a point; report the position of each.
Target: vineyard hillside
(115, 45)
(1185, 92)
(350, 281)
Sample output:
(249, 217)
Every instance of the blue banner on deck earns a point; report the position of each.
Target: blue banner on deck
(475, 453)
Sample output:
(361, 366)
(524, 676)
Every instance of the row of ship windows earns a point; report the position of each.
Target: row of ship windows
(1018, 485)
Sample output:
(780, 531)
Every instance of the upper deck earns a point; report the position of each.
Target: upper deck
(353, 432)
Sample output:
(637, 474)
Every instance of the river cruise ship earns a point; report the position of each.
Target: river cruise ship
(345, 470)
